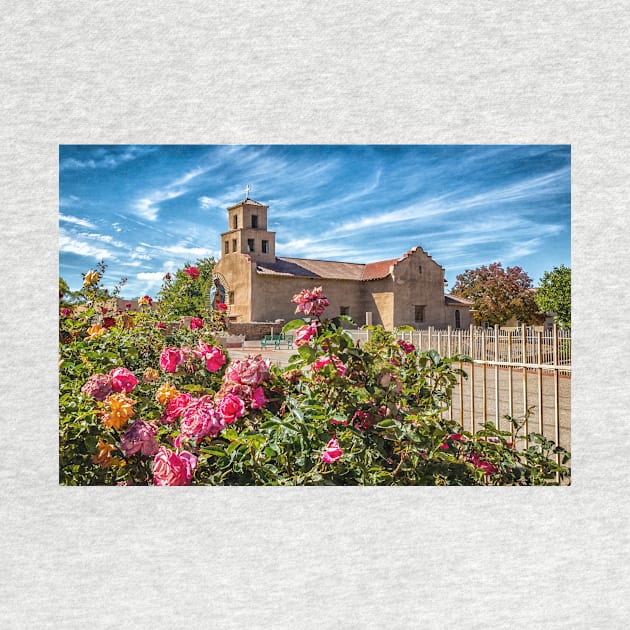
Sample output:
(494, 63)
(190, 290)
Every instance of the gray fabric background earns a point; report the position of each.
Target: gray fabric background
(303, 72)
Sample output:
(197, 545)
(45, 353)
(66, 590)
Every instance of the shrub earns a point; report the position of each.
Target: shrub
(139, 405)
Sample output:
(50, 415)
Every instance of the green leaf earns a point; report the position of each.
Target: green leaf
(386, 424)
(293, 324)
(307, 353)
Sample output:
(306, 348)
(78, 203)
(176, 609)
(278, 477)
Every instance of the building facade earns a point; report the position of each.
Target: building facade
(403, 291)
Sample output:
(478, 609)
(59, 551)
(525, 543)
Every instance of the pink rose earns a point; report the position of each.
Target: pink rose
(175, 407)
(481, 464)
(98, 386)
(170, 359)
(122, 380)
(222, 307)
(139, 437)
(304, 334)
(258, 399)
(66, 312)
(334, 361)
(333, 451)
(231, 407)
(310, 302)
(200, 418)
(193, 272)
(212, 355)
(250, 371)
(407, 347)
(173, 469)
(196, 322)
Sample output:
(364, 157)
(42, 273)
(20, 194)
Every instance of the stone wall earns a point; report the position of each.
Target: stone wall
(255, 330)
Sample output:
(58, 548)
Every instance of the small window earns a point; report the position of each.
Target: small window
(250, 244)
(419, 312)
(233, 244)
(265, 247)
(458, 321)
(344, 310)
(234, 222)
(254, 220)
(419, 268)
(226, 247)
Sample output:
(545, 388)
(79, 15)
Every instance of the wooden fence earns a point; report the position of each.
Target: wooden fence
(518, 372)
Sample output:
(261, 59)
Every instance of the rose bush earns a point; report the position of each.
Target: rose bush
(140, 405)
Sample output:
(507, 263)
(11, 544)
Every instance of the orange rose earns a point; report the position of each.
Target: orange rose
(150, 375)
(104, 458)
(165, 393)
(120, 410)
(95, 331)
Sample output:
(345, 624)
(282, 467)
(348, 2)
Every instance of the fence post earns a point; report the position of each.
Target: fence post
(525, 375)
(484, 365)
(556, 390)
(541, 422)
(472, 378)
(496, 375)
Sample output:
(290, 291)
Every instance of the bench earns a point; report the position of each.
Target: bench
(277, 340)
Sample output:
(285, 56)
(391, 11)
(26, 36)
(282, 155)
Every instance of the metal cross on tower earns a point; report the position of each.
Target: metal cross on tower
(247, 191)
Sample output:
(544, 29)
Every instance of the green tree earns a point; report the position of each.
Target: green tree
(186, 292)
(66, 296)
(554, 294)
(499, 294)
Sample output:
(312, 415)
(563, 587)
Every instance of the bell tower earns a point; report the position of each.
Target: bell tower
(247, 231)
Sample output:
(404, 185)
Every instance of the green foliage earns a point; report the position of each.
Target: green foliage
(499, 294)
(554, 294)
(135, 342)
(184, 295)
(379, 409)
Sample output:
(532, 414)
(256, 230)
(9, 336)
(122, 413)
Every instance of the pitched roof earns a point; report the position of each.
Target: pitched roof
(249, 202)
(333, 270)
(312, 268)
(380, 269)
(454, 300)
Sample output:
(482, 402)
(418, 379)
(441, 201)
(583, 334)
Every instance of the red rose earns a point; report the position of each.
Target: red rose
(196, 322)
(193, 272)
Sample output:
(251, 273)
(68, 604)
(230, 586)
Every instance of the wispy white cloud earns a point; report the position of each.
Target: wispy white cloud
(152, 276)
(188, 251)
(77, 221)
(148, 206)
(105, 158)
(72, 244)
(105, 238)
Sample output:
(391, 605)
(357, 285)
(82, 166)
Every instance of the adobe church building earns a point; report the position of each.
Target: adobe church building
(403, 291)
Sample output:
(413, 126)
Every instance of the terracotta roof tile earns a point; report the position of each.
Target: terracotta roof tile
(380, 269)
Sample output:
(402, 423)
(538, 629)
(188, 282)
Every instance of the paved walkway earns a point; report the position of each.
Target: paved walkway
(277, 357)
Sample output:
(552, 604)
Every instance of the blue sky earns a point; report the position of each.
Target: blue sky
(148, 209)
